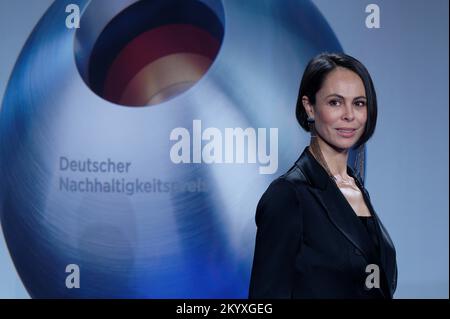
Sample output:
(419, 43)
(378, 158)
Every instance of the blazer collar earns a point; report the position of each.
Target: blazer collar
(315, 173)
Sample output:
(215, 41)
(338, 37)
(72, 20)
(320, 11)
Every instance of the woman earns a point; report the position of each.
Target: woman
(318, 235)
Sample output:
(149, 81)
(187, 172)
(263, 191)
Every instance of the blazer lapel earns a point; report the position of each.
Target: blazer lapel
(345, 220)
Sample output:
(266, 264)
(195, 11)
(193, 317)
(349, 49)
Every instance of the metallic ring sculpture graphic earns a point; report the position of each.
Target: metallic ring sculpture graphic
(88, 180)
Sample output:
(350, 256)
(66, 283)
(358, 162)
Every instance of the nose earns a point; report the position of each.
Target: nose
(349, 114)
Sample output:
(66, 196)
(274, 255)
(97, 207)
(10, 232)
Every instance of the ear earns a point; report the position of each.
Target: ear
(308, 106)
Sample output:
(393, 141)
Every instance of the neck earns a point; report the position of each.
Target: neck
(336, 159)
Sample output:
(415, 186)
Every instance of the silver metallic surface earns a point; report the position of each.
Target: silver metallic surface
(195, 244)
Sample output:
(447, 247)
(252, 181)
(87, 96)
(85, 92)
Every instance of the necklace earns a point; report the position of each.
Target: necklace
(346, 182)
(338, 179)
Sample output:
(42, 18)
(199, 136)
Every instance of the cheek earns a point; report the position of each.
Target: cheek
(362, 119)
(328, 119)
(362, 116)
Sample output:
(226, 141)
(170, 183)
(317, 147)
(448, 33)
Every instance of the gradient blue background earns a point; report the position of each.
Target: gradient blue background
(408, 157)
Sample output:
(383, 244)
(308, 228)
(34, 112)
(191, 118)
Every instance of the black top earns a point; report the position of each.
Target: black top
(369, 224)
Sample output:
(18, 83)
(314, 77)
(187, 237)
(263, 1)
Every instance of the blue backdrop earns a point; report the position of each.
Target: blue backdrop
(407, 168)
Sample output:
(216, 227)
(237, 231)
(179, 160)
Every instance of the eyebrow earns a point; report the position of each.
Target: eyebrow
(341, 97)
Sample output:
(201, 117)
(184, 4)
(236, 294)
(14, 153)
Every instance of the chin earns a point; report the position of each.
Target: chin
(343, 145)
(339, 143)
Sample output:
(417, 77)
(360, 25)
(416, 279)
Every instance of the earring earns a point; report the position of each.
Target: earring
(312, 129)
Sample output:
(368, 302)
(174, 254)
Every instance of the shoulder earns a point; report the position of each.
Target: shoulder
(284, 193)
(280, 190)
(287, 185)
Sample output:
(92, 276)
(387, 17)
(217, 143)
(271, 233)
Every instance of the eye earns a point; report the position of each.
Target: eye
(360, 103)
(334, 102)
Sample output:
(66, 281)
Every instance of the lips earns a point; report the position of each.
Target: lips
(346, 132)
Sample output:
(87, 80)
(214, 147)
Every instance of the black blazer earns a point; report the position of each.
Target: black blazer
(311, 244)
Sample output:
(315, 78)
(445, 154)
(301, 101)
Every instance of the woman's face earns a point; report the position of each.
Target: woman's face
(340, 112)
